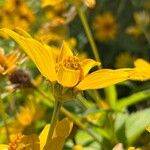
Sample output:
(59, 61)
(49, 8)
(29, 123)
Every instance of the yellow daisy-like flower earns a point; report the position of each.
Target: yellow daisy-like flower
(66, 69)
(125, 59)
(77, 147)
(105, 27)
(16, 13)
(7, 62)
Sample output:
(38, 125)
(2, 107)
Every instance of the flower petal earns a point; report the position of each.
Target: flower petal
(65, 51)
(50, 2)
(4, 147)
(103, 78)
(40, 54)
(67, 77)
(88, 64)
(141, 71)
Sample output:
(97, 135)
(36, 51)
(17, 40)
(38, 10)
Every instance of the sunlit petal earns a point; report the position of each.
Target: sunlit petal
(141, 71)
(4, 147)
(37, 52)
(67, 77)
(50, 2)
(88, 64)
(65, 51)
(103, 78)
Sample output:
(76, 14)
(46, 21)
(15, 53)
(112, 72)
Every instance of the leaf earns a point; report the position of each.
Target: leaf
(61, 132)
(136, 124)
(63, 128)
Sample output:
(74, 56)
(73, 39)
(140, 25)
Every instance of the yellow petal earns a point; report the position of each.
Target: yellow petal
(50, 2)
(43, 136)
(141, 71)
(3, 147)
(39, 53)
(88, 64)
(103, 78)
(142, 64)
(67, 77)
(65, 51)
(12, 59)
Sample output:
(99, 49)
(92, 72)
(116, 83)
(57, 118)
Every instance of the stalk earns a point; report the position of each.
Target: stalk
(88, 33)
(55, 117)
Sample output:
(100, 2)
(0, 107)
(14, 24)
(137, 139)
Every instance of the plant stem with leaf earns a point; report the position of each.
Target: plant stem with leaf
(55, 117)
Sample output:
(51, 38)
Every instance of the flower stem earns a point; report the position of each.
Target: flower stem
(6, 128)
(88, 33)
(55, 116)
(75, 119)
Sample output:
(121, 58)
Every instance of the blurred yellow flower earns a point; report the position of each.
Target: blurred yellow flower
(133, 148)
(26, 115)
(105, 27)
(142, 22)
(90, 3)
(16, 13)
(50, 2)
(125, 59)
(133, 31)
(67, 69)
(34, 142)
(77, 147)
(7, 62)
(49, 34)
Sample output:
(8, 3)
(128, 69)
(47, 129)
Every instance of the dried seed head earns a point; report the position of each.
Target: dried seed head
(21, 78)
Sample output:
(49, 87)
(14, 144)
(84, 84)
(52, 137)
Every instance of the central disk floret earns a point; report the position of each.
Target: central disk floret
(72, 63)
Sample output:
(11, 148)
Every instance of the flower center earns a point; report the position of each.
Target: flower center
(72, 63)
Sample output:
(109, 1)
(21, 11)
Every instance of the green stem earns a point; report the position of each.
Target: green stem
(81, 125)
(96, 54)
(3, 115)
(88, 33)
(55, 116)
(6, 128)
(76, 120)
(111, 96)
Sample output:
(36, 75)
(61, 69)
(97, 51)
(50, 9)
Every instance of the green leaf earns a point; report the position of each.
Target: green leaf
(136, 124)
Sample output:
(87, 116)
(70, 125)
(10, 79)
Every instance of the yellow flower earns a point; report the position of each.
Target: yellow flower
(50, 2)
(26, 115)
(48, 34)
(134, 31)
(124, 59)
(133, 148)
(67, 69)
(7, 62)
(90, 3)
(78, 147)
(105, 27)
(16, 13)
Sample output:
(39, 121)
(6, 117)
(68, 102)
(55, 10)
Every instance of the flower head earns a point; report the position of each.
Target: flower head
(105, 27)
(7, 62)
(65, 68)
(16, 13)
